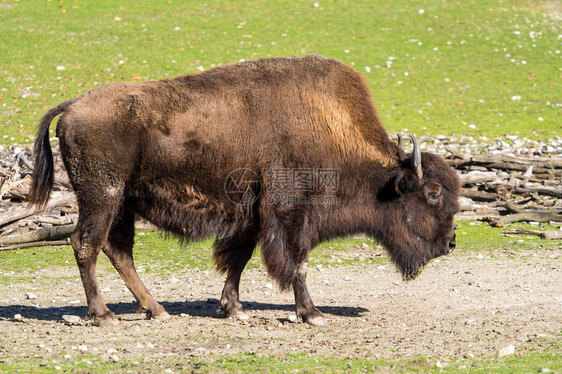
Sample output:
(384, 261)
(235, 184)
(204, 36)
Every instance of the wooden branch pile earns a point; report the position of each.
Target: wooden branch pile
(503, 189)
(22, 226)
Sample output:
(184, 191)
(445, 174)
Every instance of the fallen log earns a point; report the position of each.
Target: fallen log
(476, 216)
(550, 191)
(46, 234)
(534, 216)
(476, 177)
(540, 164)
(549, 235)
(478, 195)
(35, 244)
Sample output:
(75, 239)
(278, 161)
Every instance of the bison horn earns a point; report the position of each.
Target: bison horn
(399, 140)
(416, 160)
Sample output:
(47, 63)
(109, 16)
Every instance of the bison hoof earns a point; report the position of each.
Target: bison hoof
(237, 314)
(313, 317)
(159, 313)
(107, 319)
(316, 321)
(236, 311)
(162, 316)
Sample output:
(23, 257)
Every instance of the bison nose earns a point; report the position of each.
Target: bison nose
(452, 244)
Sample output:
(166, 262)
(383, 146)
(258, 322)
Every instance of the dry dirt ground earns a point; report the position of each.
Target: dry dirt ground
(468, 304)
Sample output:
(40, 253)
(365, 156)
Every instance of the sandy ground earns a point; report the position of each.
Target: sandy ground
(467, 304)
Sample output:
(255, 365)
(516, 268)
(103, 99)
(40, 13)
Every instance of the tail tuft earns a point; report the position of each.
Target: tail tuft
(44, 170)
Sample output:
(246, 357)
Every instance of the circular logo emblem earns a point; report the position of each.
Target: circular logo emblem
(243, 186)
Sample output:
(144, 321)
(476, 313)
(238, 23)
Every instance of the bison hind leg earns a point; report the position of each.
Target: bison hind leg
(89, 237)
(231, 255)
(304, 306)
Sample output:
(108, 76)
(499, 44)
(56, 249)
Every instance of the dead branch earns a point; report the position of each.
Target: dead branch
(533, 216)
(24, 212)
(50, 233)
(477, 216)
(540, 164)
(35, 244)
(475, 177)
(549, 191)
(549, 235)
(478, 195)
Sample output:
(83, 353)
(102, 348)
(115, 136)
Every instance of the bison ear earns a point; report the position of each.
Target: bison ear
(406, 181)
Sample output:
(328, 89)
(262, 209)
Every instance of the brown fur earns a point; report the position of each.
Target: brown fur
(164, 150)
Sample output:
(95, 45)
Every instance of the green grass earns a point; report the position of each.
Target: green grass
(82, 364)
(258, 362)
(292, 363)
(452, 65)
(473, 236)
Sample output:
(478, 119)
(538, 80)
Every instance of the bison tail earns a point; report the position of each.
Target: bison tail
(44, 170)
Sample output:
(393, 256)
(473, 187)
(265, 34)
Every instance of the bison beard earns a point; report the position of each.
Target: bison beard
(166, 150)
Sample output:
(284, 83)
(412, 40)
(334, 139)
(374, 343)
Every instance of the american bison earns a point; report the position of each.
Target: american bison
(284, 152)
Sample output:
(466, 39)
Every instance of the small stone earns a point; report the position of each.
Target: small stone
(292, 318)
(505, 351)
(71, 319)
(83, 348)
(111, 351)
(18, 317)
(269, 285)
(114, 358)
(30, 296)
(545, 370)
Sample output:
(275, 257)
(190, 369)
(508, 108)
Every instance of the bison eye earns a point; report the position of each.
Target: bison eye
(433, 195)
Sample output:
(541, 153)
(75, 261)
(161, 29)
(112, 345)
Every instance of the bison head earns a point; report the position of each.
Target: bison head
(419, 203)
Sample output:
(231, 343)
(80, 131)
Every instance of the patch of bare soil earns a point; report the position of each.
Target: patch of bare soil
(466, 304)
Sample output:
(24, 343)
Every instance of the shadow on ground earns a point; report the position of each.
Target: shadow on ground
(208, 308)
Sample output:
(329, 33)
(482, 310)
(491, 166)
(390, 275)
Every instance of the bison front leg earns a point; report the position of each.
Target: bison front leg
(304, 306)
(232, 258)
(230, 299)
(120, 253)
